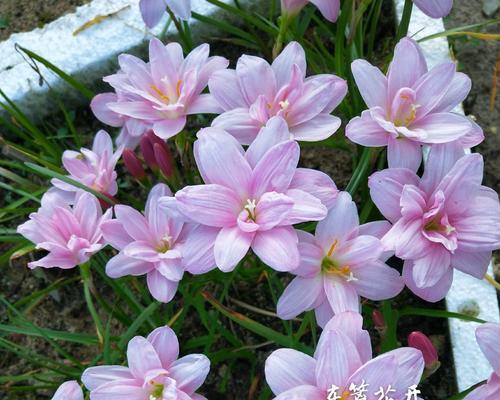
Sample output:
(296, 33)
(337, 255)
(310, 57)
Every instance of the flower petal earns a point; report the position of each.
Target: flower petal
(190, 372)
(300, 295)
(277, 248)
(231, 246)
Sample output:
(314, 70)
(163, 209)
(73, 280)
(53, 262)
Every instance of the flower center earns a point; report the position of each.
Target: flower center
(404, 107)
(330, 266)
(160, 94)
(172, 93)
(436, 226)
(164, 244)
(250, 207)
(157, 392)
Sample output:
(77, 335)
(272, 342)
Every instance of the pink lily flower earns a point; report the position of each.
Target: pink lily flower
(153, 10)
(488, 338)
(70, 390)
(164, 91)
(328, 8)
(444, 220)
(342, 366)
(154, 371)
(94, 168)
(257, 91)
(435, 8)
(341, 263)
(411, 106)
(158, 243)
(249, 199)
(71, 234)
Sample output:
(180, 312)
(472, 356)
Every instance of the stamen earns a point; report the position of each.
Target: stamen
(284, 104)
(332, 248)
(178, 88)
(251, 206)
(162, 95)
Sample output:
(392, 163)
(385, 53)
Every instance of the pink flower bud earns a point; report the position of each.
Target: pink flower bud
(148, 152)
(164, 159)
(421, 342)
(133, 164)
(378, 319)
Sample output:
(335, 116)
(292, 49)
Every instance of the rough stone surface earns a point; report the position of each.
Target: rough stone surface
(490, 7)
(467, 293)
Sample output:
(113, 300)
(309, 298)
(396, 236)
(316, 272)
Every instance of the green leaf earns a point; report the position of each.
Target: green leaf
(430, 312)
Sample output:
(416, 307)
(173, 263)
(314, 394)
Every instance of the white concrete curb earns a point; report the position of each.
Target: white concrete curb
(467, 294)
(88, 55)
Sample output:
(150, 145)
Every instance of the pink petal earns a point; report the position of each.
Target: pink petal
(275, 170)
(142, 357)
(70, 390)
(130, 389)
(323, 313)
(277, 248)
(456, 93)
(198, 252)
(190, 372)
(358, 250)
(121, 265)
(410, 366)
(488, 339)
(341, 295)
(212, 205)
(204, 104)
(226, 90)
(443, 127)
(167, 128)
(311, 256)
(329, 8)
(386, 188)
(256, 78)
(272, 209)
(133, 222)
(300, 295)
(160, 287)
(366, 131)
(377, 281)
(99, 106)
(286, 369)
(166, 345)
(432, 293)
(320, 127)
(404, 153)
(430, 269)
(231, 246)
(216, 150)
(134, 109)
(292, 54)
(337, 360)
(371, 82)
(435, 8)
(302, 392)
(94, 377)
(238, 123)
(472, 263)
(152, 11)
(305, 208)
(316, 183)
(341, 220)
(180, 8)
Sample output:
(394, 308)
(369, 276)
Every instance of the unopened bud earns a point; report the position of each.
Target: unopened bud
(379, 322)
(147, 151)
(133, 164)
(420, 341)
(164, 159)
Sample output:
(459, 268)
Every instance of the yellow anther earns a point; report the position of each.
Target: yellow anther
(162, 95)
(178, 88)
(332, 248)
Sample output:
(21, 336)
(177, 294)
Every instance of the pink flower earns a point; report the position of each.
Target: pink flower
(329, 8)
(153, 10)
(250, 198)
(154, 371)
(70, 390)
(257, 91)
(488, 338)
(71, 234)
(94, 168)
(160, 93)
(435, 8)
(444, 220)
(342, 262)
(341, 365)
(158, 243)
(411, 106)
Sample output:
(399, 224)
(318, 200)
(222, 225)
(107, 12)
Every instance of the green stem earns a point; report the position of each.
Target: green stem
(405, 20)
(278, 46)
(361, 170)
(88, 287)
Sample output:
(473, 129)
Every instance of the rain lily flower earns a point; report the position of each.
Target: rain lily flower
(488, 338)
(342, 262)
(94, 168)
(444, 220)
(70, 390)
(410, 107)
(71, 234)
(158, 243)
(434, 8)
(163, 92)
(328, 8)
(153, 10)
(257, 91)
(249, 199)
(154, 371)
(342, 366)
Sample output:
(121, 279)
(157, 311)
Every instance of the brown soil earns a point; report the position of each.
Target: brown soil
(25, 15)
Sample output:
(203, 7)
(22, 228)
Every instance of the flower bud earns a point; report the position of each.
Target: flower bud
(133, 164)
(292, 7)
(147, 151)
(164, 159)
(379, 322)
(420, 341)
